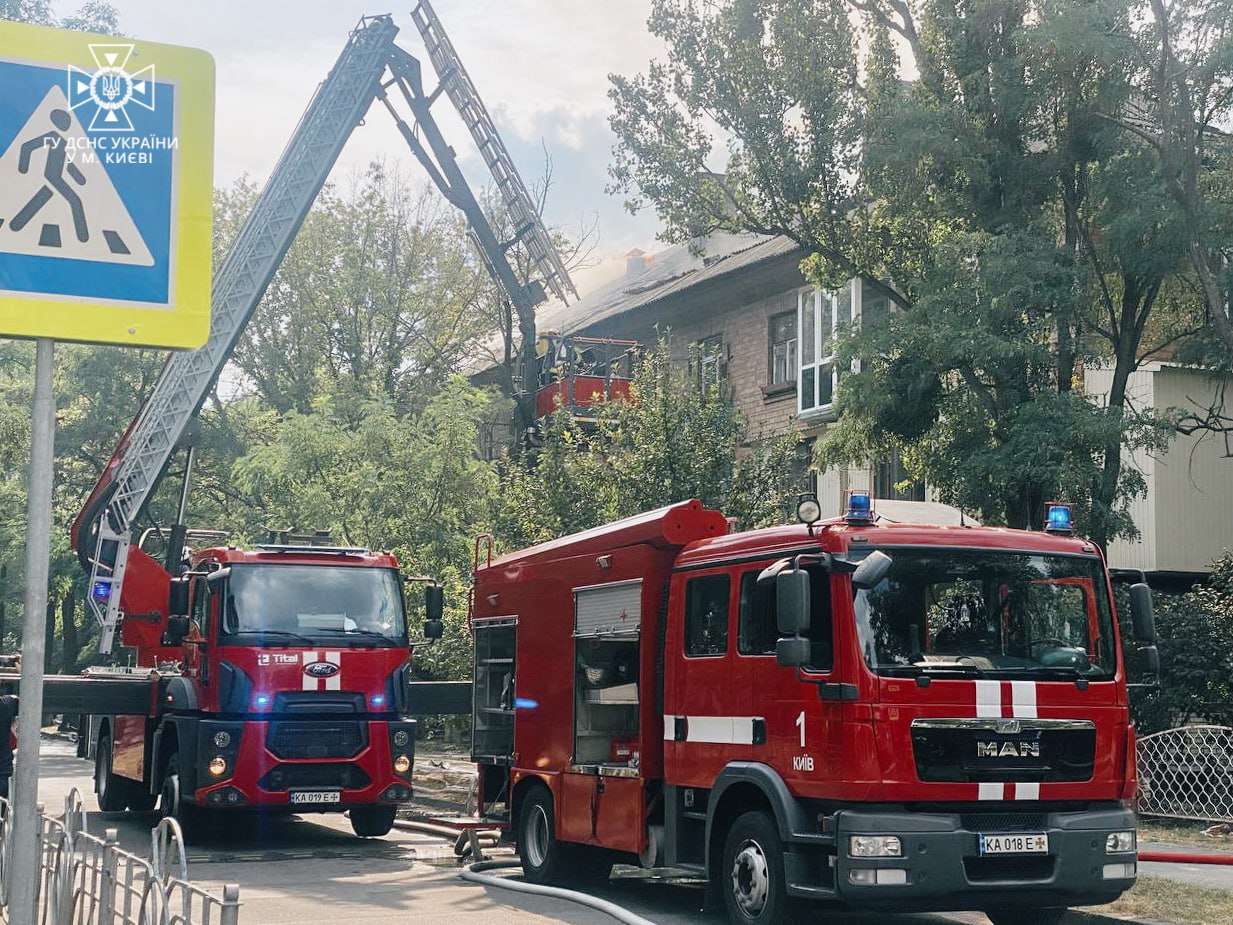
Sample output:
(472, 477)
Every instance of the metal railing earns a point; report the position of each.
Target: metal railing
(87, 880)
(1187, 773)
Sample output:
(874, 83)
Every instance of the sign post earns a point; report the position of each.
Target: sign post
(106, 173)
(34, 623)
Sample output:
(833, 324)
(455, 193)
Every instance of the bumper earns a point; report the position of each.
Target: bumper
(942, 868)
(257, 777)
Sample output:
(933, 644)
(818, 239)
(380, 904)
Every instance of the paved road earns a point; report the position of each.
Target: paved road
(312, 868)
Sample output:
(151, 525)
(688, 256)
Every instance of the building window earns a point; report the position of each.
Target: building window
(892, 481)
(783, 349)
(708, 361)
(822, 315)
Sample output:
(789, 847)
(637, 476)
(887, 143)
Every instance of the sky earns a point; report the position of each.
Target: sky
(540, 66)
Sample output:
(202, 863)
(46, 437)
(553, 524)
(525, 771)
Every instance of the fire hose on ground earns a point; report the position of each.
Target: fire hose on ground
(1186, 857)
(475, 873)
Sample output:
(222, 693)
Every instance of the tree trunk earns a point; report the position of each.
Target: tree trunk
(50, 637)
(4, 590)
(68, 628)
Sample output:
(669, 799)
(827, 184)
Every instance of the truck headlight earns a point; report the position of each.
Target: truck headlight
(1119, 842)
(402, 764)
(875, 846)
(218, 766)
(401, 738)
(222, 739)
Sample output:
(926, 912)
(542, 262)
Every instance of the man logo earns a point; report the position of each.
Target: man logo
(321, 670)
(1008, 749)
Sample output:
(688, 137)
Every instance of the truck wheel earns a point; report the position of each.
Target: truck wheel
(1025, 916)
(538, 847)
(171, 802)
(372, 821)
(751, 875)
(111, 790)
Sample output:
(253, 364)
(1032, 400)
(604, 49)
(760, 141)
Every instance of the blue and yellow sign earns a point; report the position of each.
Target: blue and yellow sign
(106, 176)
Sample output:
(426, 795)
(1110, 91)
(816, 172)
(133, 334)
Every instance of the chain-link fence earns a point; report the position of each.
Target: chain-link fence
(88, 880)
(1187, 773)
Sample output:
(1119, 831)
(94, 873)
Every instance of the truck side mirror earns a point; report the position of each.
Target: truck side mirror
(177, 597)
(1149, 662)
(1142, 614)
(792, 602)
(177, 629)
(792, 652)
(434, 612)
(873, 568)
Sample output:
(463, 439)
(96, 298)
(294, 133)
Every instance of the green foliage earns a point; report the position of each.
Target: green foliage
(411, 484)
(93, 16)
(1196, 658)
(995, 199)
(677, 439)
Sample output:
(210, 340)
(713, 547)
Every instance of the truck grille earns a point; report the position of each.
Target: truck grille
(308, 776)
(1004, 822)
(340, 739)
(1028, 750)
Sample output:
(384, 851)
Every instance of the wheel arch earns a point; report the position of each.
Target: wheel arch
(522, 789)
(749, 785)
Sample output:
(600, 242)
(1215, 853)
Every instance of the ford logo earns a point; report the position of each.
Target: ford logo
(321, 670)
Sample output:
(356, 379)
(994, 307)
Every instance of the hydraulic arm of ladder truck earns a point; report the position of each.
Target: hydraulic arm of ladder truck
(124, 579)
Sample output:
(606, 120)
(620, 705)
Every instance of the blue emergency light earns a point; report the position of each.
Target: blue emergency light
(860, 508)
(525, 703)
(1058, 519)
(101, 589)
(262, 700)
(378, 700)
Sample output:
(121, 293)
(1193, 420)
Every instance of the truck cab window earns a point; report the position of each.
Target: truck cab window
(201, 606)
(757, 628)
(706, 615)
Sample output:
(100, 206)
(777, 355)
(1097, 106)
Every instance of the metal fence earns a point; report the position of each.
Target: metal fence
(1187, 773)
(88, 880)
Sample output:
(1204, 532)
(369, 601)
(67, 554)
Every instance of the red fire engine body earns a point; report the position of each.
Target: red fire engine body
(950, 732)
(278, 682)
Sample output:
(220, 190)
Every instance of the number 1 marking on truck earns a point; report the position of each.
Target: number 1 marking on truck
(800, 721)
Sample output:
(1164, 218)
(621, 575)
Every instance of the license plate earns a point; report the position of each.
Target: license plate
(1014, 844)
(316, 796)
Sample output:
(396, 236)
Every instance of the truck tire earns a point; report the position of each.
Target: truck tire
(112, 790)
(538, 847)
(751, 873)
(372, 821)
(171, 803)
(1025, 916)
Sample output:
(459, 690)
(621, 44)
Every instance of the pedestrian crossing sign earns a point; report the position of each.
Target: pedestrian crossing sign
(106, 156)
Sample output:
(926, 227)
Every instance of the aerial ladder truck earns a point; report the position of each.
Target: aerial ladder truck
(296, 700)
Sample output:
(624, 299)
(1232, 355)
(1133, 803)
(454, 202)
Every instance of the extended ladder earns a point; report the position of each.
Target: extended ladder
(336, 109)
(528, 229)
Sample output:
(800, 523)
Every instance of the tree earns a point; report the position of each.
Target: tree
(93, 16)
(978, 198)
(1196, 662)
(677, 438)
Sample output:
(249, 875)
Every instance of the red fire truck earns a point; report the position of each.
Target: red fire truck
(276, 679)
(883, 716)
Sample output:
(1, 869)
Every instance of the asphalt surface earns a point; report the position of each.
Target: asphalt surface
(312, 868)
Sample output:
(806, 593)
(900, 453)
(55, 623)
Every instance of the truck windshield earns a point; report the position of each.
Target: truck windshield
(297, 605)
(976, 612)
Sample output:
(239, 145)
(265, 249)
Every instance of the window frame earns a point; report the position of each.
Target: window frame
(791, 362)
(709, 361)
(693, 585)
